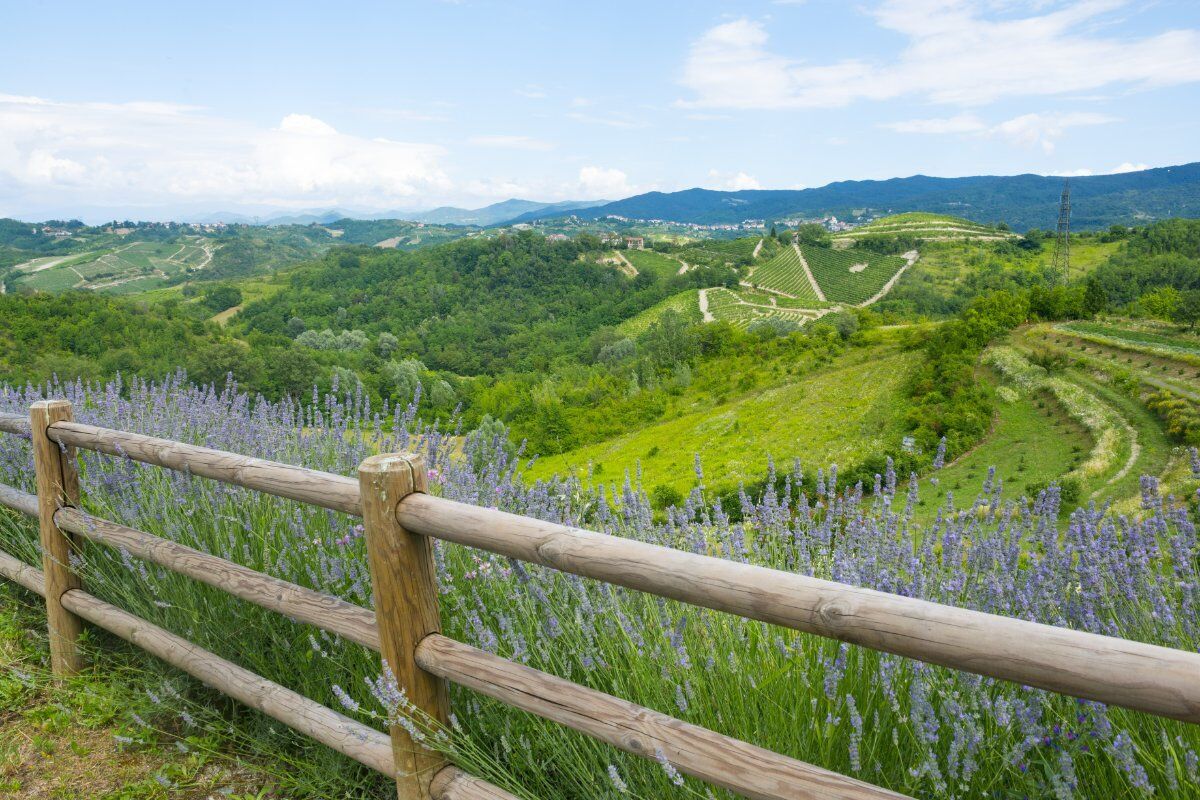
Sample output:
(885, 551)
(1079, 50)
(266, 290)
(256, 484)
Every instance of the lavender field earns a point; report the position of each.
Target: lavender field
(918, 729)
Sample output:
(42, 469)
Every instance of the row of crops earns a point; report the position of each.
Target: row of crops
(739, 309)
(784, 273)
(832, 271)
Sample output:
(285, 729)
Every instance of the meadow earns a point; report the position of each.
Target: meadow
(922, 730)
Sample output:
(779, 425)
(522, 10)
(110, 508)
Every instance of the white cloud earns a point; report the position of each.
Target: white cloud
(1045, 129)
(1128, 167)
(732, 181)
(963, 123)
(601, 182)
(511, 142)
(1030, 130)
(144, 153)
(954, 54)
(532, 91)
(1117, 170)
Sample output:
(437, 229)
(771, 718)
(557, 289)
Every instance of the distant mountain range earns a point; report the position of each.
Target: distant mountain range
(494, 214)
(1022, 201)
(499, 212)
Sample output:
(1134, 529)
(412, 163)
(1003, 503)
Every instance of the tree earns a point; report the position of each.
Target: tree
(813, 234)
(386, 344)
(1095, 299)
(220, 298)
(1188, 311)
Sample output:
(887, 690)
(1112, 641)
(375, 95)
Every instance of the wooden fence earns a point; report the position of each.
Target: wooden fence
(400, 518)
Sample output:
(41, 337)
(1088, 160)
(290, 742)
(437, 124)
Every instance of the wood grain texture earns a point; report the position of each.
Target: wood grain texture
(371, 747)
(360, 742)
(404, 580)
(1157, 680)
(347, 620)
(57, 477)
(721, 760)
(14, 424)
(451, 783)
(21, 502)
(21, 573)
(322, 489)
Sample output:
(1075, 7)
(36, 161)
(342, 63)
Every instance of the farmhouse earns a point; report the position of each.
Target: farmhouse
(635, 243)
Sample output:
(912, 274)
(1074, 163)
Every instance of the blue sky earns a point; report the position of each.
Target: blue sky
(159, 110)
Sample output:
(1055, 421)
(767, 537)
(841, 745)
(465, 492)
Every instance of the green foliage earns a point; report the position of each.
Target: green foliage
(471, 307)
(220, 298)
(947, 399)
(90, 336)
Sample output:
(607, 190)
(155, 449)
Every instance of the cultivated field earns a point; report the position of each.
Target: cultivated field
(851, 276)
(924, 226)
(125, 268)
(785, 274)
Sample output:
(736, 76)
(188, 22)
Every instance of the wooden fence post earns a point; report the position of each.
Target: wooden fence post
(406, 606)
(57, 478)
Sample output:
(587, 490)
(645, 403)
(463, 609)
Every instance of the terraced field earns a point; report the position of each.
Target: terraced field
(851, 276)
(785, 274)
(742, 308)
(686, 304)
(132, 267)
(1137, 404)
(924, 226)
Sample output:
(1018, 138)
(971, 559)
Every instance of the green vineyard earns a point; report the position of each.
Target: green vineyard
(850, 276)
(784, 273)
(742, 308)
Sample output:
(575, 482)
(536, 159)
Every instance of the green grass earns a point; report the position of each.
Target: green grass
(653, 263)
(1162, 342)
(686, 304)
(83, 738)
(832, 270)
(783, 273)
(1032, 441)
(809, 418)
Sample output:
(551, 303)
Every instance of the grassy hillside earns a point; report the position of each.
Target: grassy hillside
(807, 418)
(925, 226)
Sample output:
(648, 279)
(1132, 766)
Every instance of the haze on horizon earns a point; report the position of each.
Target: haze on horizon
(165, 112)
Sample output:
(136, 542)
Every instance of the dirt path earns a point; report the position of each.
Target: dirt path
(910, 258)
(816, 287)
(757, 249)
(704, 312)
(683, 265)
(629, 269)
(749, 285)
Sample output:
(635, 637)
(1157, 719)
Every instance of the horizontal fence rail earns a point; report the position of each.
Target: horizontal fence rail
(725, 761)
(1159, 680)
(282, 480)
(400, 516)
(360, 742)
(347, 620)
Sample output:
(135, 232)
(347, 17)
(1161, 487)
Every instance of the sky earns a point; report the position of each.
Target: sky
(165, 110)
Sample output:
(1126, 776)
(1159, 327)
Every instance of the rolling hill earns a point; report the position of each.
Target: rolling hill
(1023, 201)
